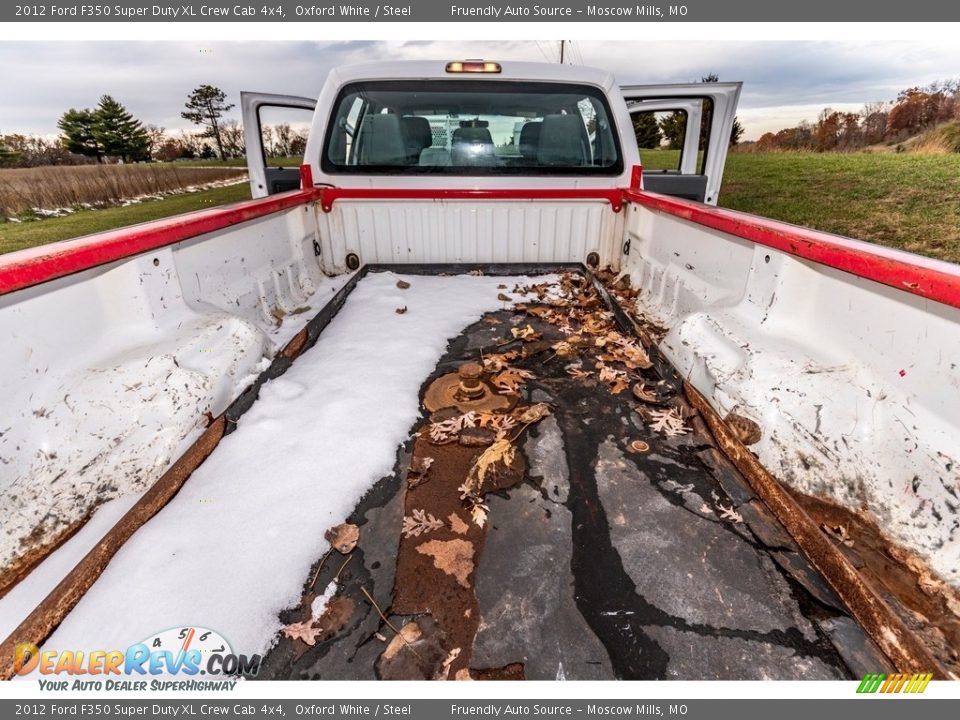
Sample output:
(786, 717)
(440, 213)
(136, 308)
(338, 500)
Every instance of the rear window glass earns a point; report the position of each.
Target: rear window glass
(479, 127)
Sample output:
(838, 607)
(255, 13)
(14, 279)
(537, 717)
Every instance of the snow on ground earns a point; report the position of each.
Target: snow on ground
(235, 546)
(30, 592)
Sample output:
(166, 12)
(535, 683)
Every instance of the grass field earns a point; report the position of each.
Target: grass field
(24, 191)
(16, 236)
(292, 161)
(905, 200)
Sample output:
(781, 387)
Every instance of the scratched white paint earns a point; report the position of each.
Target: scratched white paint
(856, 385)
(109, 375)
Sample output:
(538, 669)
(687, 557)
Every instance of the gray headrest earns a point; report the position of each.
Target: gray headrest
(435, 157)
(417, 131)
(473, 135)
(530, 139)
(472, 146)
(381, 142)
(561, 141)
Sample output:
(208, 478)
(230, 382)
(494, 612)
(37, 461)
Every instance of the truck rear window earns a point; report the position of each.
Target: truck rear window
(471, 127)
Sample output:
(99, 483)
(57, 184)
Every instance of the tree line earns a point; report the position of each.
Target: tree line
(916, 110)
(655, 130)
(108, 132)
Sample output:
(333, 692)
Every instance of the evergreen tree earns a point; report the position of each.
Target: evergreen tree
(736, 132)
(646, 129)
(205, 106)
(673, 127)
(118, 132)
(78, 133)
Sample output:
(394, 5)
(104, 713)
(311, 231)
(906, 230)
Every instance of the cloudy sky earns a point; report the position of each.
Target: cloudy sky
(784, 82)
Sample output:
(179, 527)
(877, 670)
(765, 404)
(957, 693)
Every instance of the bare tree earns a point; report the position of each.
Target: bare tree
(232, 133)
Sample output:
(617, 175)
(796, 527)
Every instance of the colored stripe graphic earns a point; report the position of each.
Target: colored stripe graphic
(896, 683)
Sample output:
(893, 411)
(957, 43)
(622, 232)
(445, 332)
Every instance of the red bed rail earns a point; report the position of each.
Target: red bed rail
(930, 279)
(329, 195)
(47, 262)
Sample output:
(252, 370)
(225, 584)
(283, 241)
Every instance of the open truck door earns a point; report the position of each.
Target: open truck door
(275, 129)
(695, 121)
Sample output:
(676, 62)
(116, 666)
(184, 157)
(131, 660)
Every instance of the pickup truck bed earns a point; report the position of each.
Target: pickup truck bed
(617, 542)
(596, 561)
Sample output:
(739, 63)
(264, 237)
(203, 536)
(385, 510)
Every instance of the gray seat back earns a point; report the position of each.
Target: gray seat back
(381, 141)
(416, 131)
(530, 140)
(562, 142)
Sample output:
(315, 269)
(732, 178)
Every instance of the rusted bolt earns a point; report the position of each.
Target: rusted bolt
(470, 385)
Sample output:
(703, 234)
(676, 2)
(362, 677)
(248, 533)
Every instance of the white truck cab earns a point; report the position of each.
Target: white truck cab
(489, 125)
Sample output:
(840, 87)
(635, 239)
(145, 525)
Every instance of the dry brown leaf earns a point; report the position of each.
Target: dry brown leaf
(578, 374)
(498, 422)
(343, 537)
(403, 284)
(446, 431)
(421, 464)
(527, 334)
(419, 471)
(337, 614)
(401, 310)
(539, 311)
(444, 672)
(838, 533)
(564, 349)
(499, 361)
(463, 674)
(534, 413)
(669, 422)
(509, 381)
(458, 525)
(728, 513)
(640, 392)
(302, 631)
(503, 298)
(501, 452)
(453, 557)
(419, 522)
(408, 635)
(478, 513)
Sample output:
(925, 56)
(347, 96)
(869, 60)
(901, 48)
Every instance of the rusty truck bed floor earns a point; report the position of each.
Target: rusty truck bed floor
(610, 550)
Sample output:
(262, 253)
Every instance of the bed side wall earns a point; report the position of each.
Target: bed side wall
(855, 384)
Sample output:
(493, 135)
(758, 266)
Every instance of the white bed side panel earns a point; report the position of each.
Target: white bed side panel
(855, 384)
(112, 372)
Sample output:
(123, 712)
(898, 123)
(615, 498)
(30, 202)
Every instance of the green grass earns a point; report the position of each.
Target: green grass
(16, 236)
(294, 161)
(907, 201)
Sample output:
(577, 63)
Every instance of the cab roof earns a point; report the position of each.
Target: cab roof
(436, 70)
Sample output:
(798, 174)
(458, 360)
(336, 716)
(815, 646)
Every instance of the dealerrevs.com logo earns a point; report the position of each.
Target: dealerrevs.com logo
(174, 659)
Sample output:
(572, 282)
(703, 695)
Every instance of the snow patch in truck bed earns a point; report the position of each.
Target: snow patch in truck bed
(235, 546)
(30, 592)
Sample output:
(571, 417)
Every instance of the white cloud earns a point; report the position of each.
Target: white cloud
(784, 82)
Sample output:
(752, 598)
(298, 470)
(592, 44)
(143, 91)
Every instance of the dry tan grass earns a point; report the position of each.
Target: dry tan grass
(49, 188)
